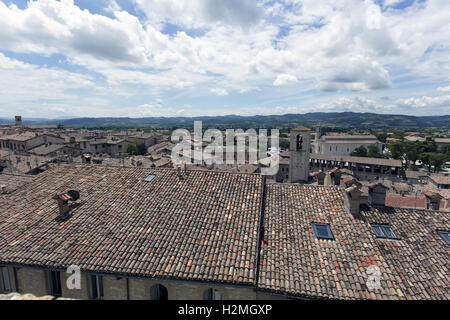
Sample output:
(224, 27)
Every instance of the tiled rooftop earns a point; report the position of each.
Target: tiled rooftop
(206, 227)
(13, 182)
(420, 261)
(203, 227)
(294, 262)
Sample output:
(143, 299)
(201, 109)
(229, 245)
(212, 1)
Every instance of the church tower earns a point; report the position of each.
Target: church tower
(300, 144)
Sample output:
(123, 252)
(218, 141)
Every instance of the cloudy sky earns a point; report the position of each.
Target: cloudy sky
(216, 57)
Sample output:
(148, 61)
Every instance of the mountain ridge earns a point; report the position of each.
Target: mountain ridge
(332, 119)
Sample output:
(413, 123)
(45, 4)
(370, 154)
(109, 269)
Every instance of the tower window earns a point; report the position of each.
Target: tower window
(299, 142)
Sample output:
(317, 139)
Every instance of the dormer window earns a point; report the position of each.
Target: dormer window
(445, 235)
(322, 231)
(150, 178)
(383, 232)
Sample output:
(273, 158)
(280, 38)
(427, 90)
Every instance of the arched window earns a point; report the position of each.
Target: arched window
(212, 294)
(159, 292)
(299, 142)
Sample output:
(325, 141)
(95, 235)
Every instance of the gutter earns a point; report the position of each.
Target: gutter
(261, 232)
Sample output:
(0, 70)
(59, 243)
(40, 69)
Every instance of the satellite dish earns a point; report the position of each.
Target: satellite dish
(75, 195)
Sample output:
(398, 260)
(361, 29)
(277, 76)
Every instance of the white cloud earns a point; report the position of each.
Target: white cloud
(201, 13)
(426, 102)
(219, 91)
(48, 26)
(222, 47)
(284, 79)
(444, 89)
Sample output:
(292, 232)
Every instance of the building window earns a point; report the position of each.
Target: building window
(96, 283)
(54, 283)
(445, 235)
(383, 232)
(159, 292)
(150, 178)
(212, 294)
(5, 280)
(299, 142)
(322, 231)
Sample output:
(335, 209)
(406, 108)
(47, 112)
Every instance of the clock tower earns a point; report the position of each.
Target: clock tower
(300, 144)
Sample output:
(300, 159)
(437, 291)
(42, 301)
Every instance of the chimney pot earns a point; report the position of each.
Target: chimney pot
(63, 204)
(377, 195)
(353, 200)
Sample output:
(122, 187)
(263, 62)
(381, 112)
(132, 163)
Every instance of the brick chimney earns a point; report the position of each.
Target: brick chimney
(63, 203)
(433, 200)
(377, 194)
(336, 176)
(320, 176)
(353, 199)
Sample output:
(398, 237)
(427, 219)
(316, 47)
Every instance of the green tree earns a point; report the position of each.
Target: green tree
(359, 152)
(382, 137)
(396, 150)
(432, 159)
(284, 144)
(399, 134)
(412, 150)
(438, 160)
(132, 149)
(373, 151)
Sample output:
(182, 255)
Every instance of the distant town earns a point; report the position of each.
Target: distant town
(73, 195)
(413, 165)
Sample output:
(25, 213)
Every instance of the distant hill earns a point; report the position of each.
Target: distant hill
(335, 119)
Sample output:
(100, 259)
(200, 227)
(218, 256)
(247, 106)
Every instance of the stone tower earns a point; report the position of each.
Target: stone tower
(18, 120)
(299, 149)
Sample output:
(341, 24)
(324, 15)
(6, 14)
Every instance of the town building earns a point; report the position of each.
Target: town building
(342, 144)
(139, 233)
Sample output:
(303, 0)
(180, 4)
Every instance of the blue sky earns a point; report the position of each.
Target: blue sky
(142, 58)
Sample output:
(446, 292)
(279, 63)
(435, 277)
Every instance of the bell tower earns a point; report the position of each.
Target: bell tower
(300, 144)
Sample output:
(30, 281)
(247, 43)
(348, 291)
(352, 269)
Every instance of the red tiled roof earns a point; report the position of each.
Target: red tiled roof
(206, 227)
(203, 227)
(294, 262)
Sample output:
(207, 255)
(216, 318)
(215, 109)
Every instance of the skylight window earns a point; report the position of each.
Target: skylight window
(150, 178)
(384, 232)
(445, 235)
(322, 231)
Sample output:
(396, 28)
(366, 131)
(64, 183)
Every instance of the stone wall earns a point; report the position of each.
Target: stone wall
(34, 281)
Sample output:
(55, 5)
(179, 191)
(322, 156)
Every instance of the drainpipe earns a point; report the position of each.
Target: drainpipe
(261, 232)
